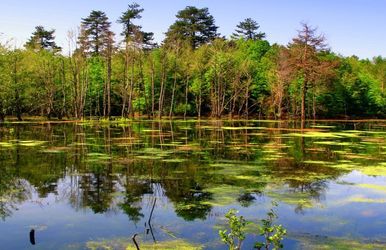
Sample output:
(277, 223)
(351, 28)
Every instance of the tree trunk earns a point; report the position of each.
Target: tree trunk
(108, 87)
(279, 107)
(161, 97)
(314, 106)
(63, 110)
(18, 103)
(303, 106)
(126, 80)
(17, 94)
(162, 90)
(2, 115)
(152, 90)
(186, 95)
(246, 101)
(199, 102)
(83, 91)
(200, 97)
(143, 87)
(130, 102)
(105, 98)
(173, 92)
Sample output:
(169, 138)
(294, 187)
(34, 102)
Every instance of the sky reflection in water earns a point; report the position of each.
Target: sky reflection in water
(84, 185)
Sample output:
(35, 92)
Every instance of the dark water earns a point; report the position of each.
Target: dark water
(93, 185)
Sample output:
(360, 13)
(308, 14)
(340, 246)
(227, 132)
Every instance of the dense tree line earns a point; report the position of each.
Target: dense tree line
(194, 72)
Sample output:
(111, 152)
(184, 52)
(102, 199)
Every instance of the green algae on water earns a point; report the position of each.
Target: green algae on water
(168, 245)
(309, 242)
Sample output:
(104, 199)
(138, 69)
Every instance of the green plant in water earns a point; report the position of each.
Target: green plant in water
(272, 234)
(236, 236)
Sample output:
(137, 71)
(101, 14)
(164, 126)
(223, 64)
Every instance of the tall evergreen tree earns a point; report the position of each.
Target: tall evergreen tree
(129, 28)
(132, 32)
(197, 26)
(97, 39)
(42, 39)
(248, 29)
(96, 32)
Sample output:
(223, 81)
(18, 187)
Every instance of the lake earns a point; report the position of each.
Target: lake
(93, 185)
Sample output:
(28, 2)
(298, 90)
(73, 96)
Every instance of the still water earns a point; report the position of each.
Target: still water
(93, 185)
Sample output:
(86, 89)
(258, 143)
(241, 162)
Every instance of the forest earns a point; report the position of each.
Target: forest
(194, 72)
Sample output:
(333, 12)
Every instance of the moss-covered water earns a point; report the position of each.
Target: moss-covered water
(92, 185)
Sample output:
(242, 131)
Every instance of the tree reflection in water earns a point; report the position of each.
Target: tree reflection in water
(111, 167)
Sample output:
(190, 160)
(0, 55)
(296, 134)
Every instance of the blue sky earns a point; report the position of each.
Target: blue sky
(351, 26)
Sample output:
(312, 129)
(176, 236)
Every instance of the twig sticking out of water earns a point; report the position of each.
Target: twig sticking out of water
(152, 210)
(32, 236)
(149, 221)
(135, 242)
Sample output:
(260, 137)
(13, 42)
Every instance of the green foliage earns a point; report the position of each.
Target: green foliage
(42, 39)
(132, 32)
(248, 29)
(108, 173)
(193, 72)
(95, 32)
(181, 108)
(96, 73)
(236, 235)
(197, 26)
(133, 12)
(273, 234)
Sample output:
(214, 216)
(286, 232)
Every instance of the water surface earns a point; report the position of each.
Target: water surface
(91, 185)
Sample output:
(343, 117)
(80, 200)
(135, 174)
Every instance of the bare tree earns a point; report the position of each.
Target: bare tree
(305, 59)
(78, 68)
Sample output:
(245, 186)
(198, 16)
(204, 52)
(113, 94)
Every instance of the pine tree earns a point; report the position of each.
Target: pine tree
(132, 32)
(129, 28)
(248, 29)
(42, 39)
(96, 32)
(97, 39)
(197, 26)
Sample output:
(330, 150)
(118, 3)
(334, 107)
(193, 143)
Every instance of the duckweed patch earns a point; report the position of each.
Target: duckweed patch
(333, 143)
(178, 244)
(318, 162)
(361, 199)
(239, 128)
(374, 187)
(27, 143)
(322, 126)
(329, 243)
(223, 195)
(112, 171)
(6, 144)
(299, 199)
(315, 134)
(374, 170)
(95, 157)
(175, 160)
(55, 150)
(110, 244)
